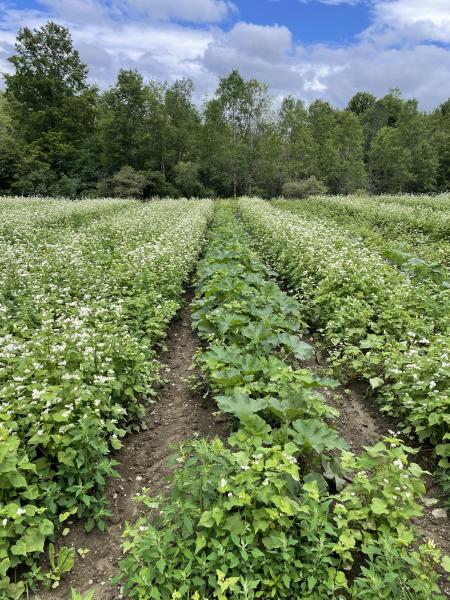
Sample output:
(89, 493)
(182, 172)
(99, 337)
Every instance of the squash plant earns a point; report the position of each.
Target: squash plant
(283, 510)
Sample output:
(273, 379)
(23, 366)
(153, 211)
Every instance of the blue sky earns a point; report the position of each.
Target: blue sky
(309, 48)
(310, 22)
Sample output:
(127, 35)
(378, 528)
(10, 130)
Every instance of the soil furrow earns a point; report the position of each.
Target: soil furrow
(361, 424)
(178, 415)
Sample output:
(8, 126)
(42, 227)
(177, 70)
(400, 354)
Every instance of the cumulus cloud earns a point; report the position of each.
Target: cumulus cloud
(77, 11)
(245, 41)
(88, 11)
(408, 12)
(413, 19)
(196, 11)
(268, 53)
(420, 71)
(163, 51)
(406, 46)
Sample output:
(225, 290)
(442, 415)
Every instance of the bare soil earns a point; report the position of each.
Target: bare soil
(178, 415)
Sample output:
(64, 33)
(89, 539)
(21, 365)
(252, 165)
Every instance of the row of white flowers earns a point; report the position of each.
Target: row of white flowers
(431, 218)
(376, 323)
(388, 224)
(86, 291)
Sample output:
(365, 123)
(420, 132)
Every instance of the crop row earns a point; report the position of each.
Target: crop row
(414, 252)
(437, 202)
(21, 217)
(282, 510)
(398, 218)
(374, 322)
(81, 310)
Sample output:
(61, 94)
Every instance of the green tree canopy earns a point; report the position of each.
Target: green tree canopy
(51, 105)
(60, 135)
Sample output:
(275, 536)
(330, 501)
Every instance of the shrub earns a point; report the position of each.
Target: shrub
(128, 183)
(102, 189)
(158, 186)
(243, 520)
(187, 179)
(304, 188)
(66, 187)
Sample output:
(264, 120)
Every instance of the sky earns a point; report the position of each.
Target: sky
(326, 49)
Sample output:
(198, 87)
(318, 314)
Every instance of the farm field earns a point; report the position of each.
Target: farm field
(282, 506)
(86, 293)
(402, 227)
(378, 323)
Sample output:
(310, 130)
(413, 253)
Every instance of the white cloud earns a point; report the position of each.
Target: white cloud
(409, 12)
(261, 52)
(198, 11)
(421, 71)
(414, 19)
(162, 51)
(397, 50)
(268, 53)
(264, 42)
(77, 11)
(82, 11)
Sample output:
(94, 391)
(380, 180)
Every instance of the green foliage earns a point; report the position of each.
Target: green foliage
(403, 159)
(77, 596)
(235, 125)
(79, 336)
(250, 326)
(303, 189)
(389, 162)
(361, 102)
(394, 571)
(52, 108)
(153, 129)
(260, 517)
(384, 493)
(240, 523)
(246, 514)
(128, 183)
(123, 120)
(66, 187)
(10, 148)
(60, 562)
(417, 268)
(398, 227)
(70, 139)
(377, 322)
(316, 435)
(296, 149)
(157, 185)
(337, 148)
(187, 179)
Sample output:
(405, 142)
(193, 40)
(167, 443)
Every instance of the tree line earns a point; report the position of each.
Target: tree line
(60, 135)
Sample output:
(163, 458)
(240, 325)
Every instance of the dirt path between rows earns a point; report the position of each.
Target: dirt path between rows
(179, 414)
(362, 424)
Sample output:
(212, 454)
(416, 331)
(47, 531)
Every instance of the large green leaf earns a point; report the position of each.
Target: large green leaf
(296, 346)
(240, 404)
(312, 433)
